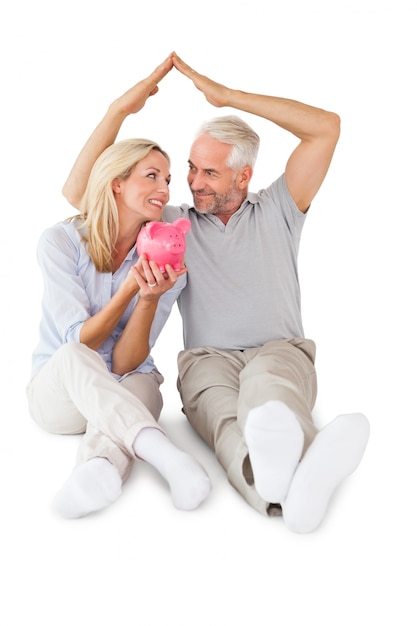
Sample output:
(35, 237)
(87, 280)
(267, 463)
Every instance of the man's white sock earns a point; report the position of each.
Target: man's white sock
(335, 452)
(188, 481)
(91, 486)
(275, 442)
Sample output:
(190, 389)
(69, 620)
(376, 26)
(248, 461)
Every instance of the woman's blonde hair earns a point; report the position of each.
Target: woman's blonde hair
(98, 209)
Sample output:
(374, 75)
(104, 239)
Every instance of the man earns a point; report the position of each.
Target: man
(246, 377)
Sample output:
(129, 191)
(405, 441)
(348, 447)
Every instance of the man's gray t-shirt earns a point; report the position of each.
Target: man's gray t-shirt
(243, 288)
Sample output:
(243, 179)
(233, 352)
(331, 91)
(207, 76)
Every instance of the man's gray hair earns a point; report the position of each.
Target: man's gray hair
(233, 130)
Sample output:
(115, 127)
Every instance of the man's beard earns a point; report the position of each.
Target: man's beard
(219, 204)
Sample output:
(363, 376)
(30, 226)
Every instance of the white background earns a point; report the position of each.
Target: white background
(141, 561)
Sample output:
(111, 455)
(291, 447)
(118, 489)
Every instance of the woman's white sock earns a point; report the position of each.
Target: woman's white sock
(275, 442)
(188, 481)
(90, 487)
(335, 452)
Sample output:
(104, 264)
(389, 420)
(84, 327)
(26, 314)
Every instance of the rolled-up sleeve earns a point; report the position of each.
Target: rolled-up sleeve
(65, 304)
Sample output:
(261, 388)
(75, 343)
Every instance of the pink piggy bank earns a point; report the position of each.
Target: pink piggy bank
(163, 242)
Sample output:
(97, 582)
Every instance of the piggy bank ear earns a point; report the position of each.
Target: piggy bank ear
(153, 227)
(183, 224)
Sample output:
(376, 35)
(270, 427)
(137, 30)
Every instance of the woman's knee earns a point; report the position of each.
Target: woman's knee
(72, 351)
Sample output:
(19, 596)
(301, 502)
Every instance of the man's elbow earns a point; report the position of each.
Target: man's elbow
(333, 126)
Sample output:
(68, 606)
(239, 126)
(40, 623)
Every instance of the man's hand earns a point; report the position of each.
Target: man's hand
(215, 93)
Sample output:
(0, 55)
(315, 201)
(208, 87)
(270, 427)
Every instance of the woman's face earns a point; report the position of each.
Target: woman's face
(145, 193)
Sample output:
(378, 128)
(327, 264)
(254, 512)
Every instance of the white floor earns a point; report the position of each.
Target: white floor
(143, 561)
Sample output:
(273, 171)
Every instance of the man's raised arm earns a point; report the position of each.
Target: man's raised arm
(317, 129)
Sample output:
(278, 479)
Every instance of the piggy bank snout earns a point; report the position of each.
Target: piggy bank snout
(175, 243)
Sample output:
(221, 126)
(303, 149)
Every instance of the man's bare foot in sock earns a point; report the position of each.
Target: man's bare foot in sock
(275, 442)
(335, 452)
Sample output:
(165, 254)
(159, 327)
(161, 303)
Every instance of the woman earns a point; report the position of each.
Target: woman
(102, 310)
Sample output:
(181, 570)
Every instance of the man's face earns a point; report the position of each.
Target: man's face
(215, 187)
